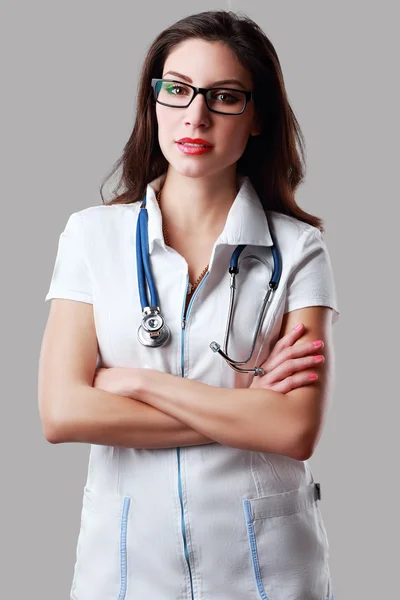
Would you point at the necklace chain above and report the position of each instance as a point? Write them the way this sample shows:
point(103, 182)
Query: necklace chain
point(192, 286)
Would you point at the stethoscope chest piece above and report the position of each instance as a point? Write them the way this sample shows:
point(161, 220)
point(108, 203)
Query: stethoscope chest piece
point(153, 331)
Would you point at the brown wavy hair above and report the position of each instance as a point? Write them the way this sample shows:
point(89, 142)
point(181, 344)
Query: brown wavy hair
point(271, 160)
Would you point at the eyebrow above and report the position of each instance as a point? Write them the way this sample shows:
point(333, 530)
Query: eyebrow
point(219, 82)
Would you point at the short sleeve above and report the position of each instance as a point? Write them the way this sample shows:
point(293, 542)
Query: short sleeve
point(70, 277)
point(311, 281)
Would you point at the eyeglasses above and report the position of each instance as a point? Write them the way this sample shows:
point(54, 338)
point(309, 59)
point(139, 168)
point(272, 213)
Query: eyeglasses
point(176, 94)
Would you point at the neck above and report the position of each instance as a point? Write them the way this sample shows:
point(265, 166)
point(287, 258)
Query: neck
point(198, 204)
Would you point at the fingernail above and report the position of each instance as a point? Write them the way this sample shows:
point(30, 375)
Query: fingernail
point(299, 326)
point(313, 376)
point(317, 343)
point(318, 358)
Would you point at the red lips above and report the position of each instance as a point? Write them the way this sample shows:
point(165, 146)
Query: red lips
point(194, 141)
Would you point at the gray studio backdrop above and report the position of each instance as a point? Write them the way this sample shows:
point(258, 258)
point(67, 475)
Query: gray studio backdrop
point(70, 71)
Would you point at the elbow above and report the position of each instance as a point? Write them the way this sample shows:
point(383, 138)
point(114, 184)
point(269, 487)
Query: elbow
point(53, 424)
point(53, 430)
point(52, 436)
point(302, 453)
point(306, 444)
point(302, 446)
point(59, 414)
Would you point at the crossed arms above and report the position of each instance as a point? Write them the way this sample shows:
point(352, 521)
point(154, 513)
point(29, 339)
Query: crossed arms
point(143, 408)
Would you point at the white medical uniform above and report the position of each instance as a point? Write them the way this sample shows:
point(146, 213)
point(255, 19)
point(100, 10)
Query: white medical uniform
point(207, 522)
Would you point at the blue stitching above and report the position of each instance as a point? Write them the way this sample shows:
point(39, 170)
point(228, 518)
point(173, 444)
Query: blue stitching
point(124, 519)
point(253, 548)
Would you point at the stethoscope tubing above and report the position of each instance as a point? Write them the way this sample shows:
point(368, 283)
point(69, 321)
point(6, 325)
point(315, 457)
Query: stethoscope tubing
point(273, 284)
point(143, 262)
point(145, 278)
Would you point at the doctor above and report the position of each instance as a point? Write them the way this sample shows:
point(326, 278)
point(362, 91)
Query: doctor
point(198, 484)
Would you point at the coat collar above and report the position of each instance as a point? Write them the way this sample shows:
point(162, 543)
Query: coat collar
point(246, 222)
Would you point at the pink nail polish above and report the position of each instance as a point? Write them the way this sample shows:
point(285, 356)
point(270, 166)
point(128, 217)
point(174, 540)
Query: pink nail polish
point(317, 343)
point(299, 326)
point(312, 376)
point(318, 358)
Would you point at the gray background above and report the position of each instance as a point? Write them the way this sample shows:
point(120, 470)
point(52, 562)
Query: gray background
point(69, 74)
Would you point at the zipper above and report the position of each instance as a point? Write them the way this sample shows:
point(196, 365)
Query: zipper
point(184, 316)
point(178, 450)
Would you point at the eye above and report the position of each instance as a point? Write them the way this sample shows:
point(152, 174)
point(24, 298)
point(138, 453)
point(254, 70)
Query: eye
point(224, 97)
point(173, 88)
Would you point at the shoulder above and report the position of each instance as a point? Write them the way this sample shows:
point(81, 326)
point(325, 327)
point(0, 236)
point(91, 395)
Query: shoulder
point(293, 235)
point(106, 218)
point(106, 212)
point(290, 226)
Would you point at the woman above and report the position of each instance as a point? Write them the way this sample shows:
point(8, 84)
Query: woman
point(198, 483)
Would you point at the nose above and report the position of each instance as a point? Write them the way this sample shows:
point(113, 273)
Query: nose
point(197, 112)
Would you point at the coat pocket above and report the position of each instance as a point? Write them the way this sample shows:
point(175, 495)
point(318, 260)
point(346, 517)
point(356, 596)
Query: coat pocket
point(101, 556)
point(288, 545)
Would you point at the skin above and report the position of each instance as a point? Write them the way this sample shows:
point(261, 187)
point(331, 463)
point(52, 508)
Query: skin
point(199, 190)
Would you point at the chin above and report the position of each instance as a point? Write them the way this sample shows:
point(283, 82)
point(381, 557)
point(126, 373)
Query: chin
point(196, 167)
point(193, 168)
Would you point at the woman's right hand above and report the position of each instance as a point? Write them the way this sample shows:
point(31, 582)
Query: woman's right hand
point(289, 366)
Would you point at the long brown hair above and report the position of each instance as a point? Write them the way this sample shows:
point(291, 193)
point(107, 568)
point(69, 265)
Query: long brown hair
point(271, 160)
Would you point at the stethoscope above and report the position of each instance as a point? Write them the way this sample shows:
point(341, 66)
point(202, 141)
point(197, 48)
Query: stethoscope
point(154, 332)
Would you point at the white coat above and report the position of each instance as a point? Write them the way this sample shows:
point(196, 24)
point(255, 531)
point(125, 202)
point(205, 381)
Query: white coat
point(208, 522)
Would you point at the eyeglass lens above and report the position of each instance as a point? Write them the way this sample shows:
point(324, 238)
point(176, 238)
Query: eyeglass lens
point(178, 94)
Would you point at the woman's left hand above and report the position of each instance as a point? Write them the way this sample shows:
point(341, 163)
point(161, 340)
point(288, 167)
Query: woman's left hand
point(290, 365)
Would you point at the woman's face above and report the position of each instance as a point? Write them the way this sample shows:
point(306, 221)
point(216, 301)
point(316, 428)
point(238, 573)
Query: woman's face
point(204, 63)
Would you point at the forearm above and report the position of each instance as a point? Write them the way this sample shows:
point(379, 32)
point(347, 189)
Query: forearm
point(252, 419)
point(98, 417)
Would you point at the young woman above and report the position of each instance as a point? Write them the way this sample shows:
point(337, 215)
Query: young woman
point(198, 484)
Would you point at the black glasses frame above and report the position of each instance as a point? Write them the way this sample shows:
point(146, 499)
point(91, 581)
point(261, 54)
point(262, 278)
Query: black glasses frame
point(203, 91)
